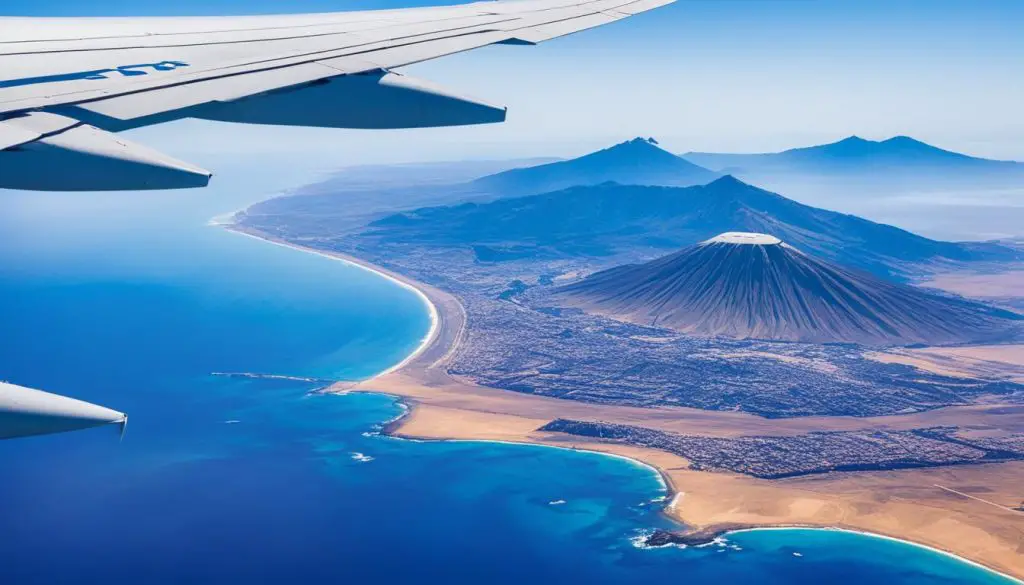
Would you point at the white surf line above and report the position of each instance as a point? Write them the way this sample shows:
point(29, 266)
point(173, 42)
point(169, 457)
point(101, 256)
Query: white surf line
point(671, 507)
point(983, 501)
point(434, 325)
point(259, 376)
point(635, 462)
point(224, 219)
point(946, 553)
point(434, 317)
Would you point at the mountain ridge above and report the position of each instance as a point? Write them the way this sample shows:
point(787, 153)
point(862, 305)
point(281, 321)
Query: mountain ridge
point(852, 153)
point(603, 219)
point(639, 161)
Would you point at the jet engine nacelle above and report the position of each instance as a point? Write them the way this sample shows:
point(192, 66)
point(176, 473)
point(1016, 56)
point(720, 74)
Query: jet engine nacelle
point(376, 100)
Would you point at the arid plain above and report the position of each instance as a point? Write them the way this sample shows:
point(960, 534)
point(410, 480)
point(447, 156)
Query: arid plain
point(969, 511)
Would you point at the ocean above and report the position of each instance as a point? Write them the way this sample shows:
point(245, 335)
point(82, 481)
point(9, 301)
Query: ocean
point(133, 301)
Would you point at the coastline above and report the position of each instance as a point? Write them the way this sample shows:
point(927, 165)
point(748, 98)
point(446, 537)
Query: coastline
point(718, 492)
point(394, 277)
point(416, 379)
point(392, 428)
point(938, 551)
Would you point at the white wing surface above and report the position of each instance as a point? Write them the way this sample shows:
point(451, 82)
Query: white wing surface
point(25, 412)
point(67, 84)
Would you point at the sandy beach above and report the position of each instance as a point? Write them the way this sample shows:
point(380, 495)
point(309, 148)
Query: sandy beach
point(992, 362)
point(913, 505)
point(964, 510)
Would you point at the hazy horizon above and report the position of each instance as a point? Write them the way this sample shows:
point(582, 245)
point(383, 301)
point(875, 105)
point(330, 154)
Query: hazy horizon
point(702, 75)
point(698, 75)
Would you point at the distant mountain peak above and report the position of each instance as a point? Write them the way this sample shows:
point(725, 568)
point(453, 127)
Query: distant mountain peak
point(729, 188)
point(898, 139)
point(895, 152)
point(637, 146)
point(638, 161)
point(895, 145)
point(728, 181)
point(898, 156)
point(854, 139)
point(907, 143)
point(902, 138)
point(641, 140)
point(851, 145)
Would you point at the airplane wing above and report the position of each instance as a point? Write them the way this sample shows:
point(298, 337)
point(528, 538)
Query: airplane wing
point(66, 85)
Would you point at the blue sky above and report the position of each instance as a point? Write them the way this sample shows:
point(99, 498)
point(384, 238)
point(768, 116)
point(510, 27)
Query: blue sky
point(733, 75)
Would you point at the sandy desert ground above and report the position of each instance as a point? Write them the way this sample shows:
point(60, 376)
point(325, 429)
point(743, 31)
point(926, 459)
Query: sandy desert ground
point(966, 510)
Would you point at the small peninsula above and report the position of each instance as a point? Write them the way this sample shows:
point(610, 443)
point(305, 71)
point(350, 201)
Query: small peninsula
point(892, 437)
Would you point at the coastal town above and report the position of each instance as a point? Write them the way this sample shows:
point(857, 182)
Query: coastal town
point(519, 339)
point(756, 432)
point(776, 457)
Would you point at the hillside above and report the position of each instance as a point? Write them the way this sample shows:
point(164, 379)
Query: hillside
point(610, 218)
point(900, 154)
point(754, 286)
point(636, 162)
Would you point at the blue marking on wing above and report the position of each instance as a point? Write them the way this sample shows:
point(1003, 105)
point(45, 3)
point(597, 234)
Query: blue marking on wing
point(124, 70)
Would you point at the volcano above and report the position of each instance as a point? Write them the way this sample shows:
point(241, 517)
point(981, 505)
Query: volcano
point(754, 286)
point(635, 162)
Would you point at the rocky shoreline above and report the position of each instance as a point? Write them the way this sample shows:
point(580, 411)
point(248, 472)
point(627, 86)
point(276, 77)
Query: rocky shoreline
point(699, 537)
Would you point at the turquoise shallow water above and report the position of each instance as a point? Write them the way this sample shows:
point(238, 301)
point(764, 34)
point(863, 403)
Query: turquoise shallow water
point(132, 301)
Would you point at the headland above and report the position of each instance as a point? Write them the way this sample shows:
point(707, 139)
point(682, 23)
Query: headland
point(965, 510)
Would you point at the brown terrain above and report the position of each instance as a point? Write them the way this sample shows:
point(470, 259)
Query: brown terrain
point(985, 362)
point(1002, 284)
point(968, 510)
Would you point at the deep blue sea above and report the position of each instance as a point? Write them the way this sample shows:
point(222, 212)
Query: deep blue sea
point(133, 301)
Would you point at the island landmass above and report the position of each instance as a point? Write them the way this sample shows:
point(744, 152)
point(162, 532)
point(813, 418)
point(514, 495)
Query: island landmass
point(826, 371)
point(968, 511)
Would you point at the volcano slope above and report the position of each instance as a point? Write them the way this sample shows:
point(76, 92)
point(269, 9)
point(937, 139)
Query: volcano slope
point(754, 286)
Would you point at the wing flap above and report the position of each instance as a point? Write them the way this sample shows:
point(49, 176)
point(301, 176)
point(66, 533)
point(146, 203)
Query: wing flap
point(134, 106)
point(545, 32)
point(24, 129)
point(245, 83)
point(399, 56)
point(370, 101)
